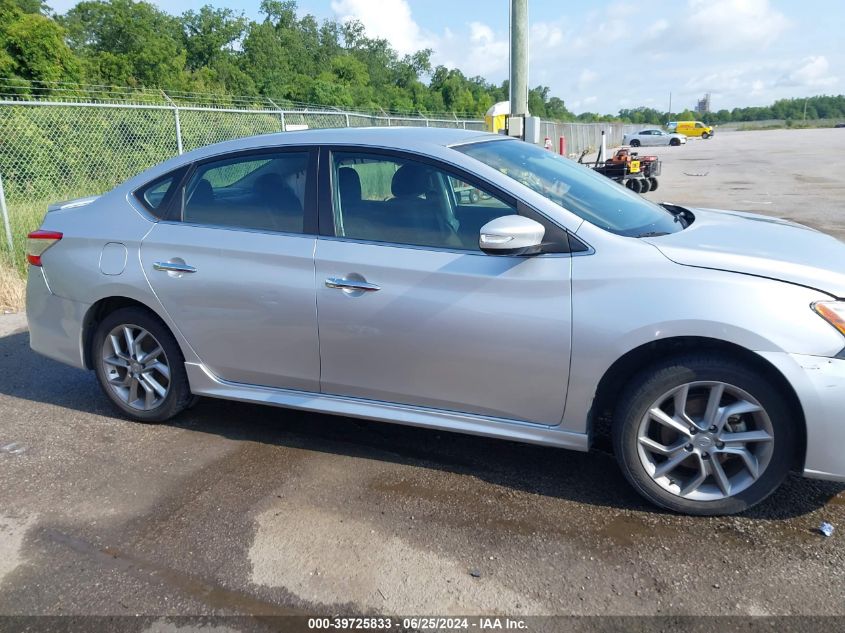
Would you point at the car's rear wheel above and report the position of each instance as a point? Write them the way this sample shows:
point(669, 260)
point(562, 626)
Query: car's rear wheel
point(635, 143)
point(139, 365)
point(654, 183)
point(703, 435)
point(674, 142)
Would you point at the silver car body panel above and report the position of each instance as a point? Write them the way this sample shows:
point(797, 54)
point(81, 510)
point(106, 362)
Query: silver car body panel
point(458, 331)
point(517, 317)
point(759, 245)
point(206, 384)
point(263, 279)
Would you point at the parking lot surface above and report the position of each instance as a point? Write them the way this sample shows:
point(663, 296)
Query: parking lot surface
point(235, 508)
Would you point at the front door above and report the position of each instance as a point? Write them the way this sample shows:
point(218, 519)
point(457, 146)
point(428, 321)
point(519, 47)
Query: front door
point(235, 268)
point(410, 311)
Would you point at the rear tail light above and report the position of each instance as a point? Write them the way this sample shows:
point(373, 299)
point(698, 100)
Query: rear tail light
point(38, 242)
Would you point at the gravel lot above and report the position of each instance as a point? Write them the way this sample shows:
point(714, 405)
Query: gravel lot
point(242, 509)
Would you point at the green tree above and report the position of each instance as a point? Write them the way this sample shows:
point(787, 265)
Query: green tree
point(127, 42)
point(32, 46)
point(211, 35)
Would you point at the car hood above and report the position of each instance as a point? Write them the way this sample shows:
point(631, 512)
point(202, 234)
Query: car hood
point(758, 245)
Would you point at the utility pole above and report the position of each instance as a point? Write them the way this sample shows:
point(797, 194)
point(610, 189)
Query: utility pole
point(670, 104)
point(519, 58)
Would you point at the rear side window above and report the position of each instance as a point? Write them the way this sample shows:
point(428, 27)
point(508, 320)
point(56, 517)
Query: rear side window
point(155, 195)
point(264, 191)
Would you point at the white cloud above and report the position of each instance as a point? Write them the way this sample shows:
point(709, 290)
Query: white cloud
point(480, 51)
point(387, 19)
point(480, 33)
point(656, 29)
point(587, 76)
point(732, 24)
point(813, 72)
point(545, 34)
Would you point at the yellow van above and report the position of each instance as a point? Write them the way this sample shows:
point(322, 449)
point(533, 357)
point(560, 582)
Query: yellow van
point(694, 128)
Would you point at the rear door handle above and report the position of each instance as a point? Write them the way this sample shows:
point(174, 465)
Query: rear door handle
point(174, 267)
point(351, 284)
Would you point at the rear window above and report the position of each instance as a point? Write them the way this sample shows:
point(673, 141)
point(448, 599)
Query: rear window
point(156, 194)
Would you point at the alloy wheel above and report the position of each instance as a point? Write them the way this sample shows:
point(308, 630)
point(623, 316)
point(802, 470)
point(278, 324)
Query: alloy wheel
point(705, 441)
point(136, 367)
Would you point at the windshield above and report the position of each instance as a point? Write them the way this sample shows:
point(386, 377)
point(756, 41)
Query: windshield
point(575, 187)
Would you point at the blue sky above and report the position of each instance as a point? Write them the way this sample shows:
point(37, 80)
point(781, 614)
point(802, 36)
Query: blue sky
point(603, 56)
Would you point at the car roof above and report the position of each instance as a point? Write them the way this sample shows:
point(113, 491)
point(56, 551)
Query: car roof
point(393, 137)
point(399, 137)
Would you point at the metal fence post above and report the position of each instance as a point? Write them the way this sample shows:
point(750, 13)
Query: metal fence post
point(281, 112)
point(347, 119)
point(178, 123)
point(178, 130)
point(5, 211)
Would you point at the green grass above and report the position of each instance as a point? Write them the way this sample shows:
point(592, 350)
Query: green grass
point(24, 217)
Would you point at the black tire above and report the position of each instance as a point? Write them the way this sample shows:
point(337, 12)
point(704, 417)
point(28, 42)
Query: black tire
point(178, 396)
point(631, 183)
point(705, 135)
point(651, 384)
point(473, 197)
point(654, 183)
point(635, 143)
point(674, 142)
point(645, 185)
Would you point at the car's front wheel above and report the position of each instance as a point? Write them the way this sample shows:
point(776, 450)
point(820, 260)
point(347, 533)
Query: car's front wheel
point(703, 435)
point(139, 365)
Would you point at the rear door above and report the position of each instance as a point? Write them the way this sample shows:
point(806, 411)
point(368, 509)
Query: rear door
point(234, 266)
point(412, 312)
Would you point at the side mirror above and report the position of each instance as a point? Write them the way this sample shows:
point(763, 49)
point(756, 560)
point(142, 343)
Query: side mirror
point(511, 235)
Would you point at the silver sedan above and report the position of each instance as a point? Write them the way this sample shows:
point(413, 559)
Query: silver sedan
point(653, 137)
point(342, 271)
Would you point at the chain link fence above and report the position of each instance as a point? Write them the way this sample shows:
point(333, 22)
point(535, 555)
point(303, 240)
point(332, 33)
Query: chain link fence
point(60, 149)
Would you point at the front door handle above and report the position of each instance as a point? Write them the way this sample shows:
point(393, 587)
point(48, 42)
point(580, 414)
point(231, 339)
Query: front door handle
point(174, 267)
point(354, 285)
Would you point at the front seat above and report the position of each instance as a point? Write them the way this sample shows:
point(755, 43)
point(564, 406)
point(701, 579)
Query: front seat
point(414, 217)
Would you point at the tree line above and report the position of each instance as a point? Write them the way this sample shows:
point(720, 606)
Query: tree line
point(217, 51)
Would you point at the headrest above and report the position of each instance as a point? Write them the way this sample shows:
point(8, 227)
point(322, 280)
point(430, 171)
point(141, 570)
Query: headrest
point(410, 180)
point(349, 184)
point(270, 184)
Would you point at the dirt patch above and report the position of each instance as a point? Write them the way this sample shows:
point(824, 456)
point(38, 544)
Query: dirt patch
point(12, 290)
point(321, 557)
point(12, 532)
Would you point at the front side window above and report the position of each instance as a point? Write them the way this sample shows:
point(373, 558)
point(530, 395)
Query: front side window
point(383, 198)
point(574, 187)
point(263, 192)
